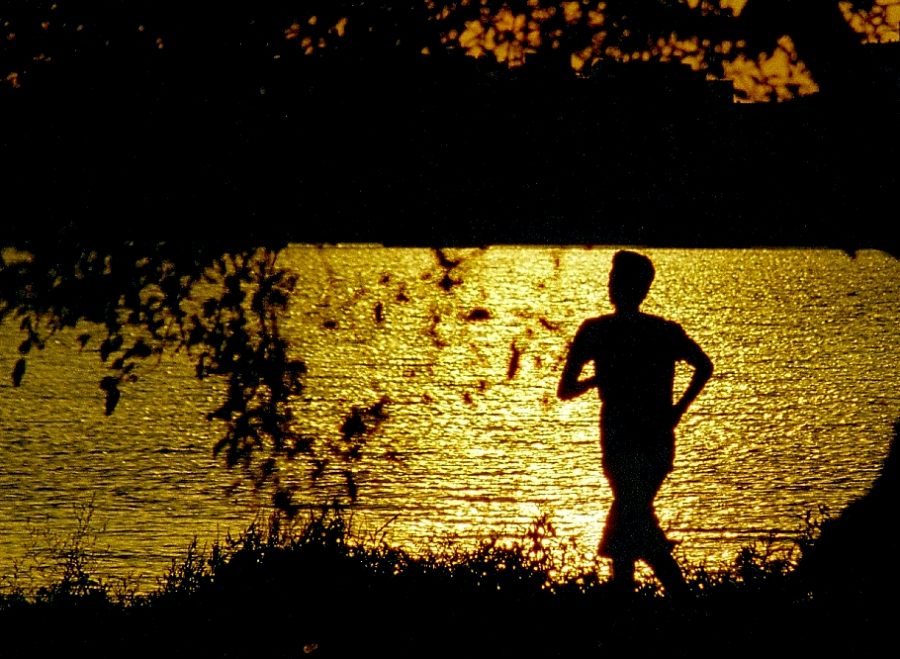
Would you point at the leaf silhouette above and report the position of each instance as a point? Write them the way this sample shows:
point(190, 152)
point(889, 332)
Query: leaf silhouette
point(447, 282)
point(478, 313)
point(352, 487)
point(444, 261)
point(548, 325)
point(353, 425)
point(110, 345)
point(514, 361)
point(18, 372)
point(139, 349)
point(112, 399)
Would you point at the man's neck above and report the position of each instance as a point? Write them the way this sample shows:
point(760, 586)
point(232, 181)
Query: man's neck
point(627, 312)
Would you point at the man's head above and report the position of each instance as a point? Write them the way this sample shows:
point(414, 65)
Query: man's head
point(629, 280)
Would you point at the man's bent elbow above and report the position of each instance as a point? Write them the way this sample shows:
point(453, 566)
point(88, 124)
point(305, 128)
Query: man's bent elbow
point(705, 369)
point(566, 391)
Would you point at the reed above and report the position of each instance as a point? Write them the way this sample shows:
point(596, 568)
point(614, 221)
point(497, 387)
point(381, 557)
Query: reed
point(318, 585)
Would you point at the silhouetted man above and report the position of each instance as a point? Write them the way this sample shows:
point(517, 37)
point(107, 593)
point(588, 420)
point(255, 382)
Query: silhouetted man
point(634, 357)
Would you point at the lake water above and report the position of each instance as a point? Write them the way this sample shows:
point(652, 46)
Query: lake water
point(797, 415)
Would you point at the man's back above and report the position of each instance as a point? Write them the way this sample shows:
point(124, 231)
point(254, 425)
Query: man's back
point(634, 358)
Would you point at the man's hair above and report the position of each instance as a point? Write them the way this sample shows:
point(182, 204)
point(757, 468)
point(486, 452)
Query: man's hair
point(633, 273)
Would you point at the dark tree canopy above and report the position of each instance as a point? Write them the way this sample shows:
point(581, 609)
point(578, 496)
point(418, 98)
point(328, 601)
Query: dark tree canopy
point(327, 121)
point(157, 156)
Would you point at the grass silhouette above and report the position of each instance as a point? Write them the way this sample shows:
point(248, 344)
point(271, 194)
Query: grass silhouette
point(316, 586)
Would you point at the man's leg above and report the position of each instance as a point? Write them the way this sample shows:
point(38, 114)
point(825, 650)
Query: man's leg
point(623, 575)
point(669, 573)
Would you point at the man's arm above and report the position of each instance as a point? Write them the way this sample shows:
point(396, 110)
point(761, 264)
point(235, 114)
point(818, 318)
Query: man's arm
point(703, 370)
point(570, 383)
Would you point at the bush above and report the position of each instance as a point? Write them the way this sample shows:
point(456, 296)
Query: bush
point(317, 585)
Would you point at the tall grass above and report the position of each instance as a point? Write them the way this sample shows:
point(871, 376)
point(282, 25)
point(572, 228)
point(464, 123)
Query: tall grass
point(317, 585)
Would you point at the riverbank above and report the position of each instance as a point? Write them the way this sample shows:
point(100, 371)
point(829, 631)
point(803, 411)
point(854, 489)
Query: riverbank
point(792, 420)
point(313, 588)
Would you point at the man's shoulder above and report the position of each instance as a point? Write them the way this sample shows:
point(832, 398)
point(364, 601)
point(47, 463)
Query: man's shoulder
point(643, 323)
point(661, 322)
point(597, 322)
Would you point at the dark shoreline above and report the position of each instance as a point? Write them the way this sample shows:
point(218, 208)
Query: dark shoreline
point(336, 603)
point(312, 588)
point(309, 586)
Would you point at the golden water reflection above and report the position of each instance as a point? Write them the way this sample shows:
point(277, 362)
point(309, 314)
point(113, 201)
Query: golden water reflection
point(798, 413)
point(467, 346)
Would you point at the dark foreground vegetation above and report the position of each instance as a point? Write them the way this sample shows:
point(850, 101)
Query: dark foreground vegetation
point(318, 588)
point(315, 585)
